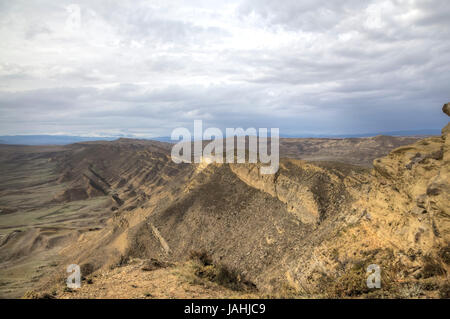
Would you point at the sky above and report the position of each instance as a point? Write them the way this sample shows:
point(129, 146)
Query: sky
point(143, 68)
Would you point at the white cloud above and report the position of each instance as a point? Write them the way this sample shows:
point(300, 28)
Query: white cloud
point(304, 66)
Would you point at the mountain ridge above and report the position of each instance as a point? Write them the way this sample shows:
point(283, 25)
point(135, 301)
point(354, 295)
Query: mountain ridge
point(117, 207)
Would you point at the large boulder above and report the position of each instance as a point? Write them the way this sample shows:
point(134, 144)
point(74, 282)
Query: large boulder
point(446, 108)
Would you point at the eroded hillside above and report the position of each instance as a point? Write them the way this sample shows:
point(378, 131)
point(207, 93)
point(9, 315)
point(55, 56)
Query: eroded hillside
point(309, 230)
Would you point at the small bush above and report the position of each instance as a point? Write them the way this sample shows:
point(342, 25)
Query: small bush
point(86, 269)
point(410, 290)
point(444, 292)
point(351, 284)
point(67, 289)
point(153, 264)
point(285, 291)
point(444, 253)
point(432, 268)
point(430, 286)
point(202, 256)
point(220, 274)
point(122, 261)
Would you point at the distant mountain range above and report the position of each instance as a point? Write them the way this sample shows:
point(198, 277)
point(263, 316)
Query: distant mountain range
point(49, 139)
point(68, 139)
point(423, 132)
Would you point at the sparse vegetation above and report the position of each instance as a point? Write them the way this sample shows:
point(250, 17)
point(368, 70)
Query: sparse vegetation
point(410, 290)
point(122, 261)
point(306, 232)
point(86, 269)
point(351, 284)
point(444, 291)
point(285, 291)
point(444, 253)
point(204, 267)
point(432, 267)
point(152, 264)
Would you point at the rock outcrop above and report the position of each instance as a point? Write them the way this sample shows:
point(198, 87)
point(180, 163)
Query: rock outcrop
point(446, 108)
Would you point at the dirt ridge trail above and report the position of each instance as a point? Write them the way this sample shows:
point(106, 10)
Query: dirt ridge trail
point(131, 281)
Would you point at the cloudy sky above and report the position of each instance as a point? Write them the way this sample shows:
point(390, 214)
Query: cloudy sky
point(142, 68)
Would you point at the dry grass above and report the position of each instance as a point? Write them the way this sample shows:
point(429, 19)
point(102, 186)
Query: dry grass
point(432, 267)
point(204, 267)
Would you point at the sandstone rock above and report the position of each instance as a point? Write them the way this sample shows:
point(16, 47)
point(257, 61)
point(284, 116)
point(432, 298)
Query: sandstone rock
point(446, 130)
point(434, 189)
point(153, 264)
point(418, 211)
point(446, 108)
point(421, 200)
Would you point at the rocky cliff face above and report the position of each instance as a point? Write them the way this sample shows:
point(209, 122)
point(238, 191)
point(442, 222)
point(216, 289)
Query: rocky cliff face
point(401, 222)
point(310, 192)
